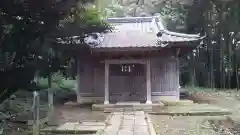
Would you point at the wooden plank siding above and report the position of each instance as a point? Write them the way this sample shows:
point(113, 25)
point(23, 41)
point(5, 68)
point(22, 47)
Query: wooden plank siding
point(164, 81)
point(165, 77)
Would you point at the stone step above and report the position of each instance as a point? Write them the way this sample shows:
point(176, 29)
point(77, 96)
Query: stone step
point(76, 128)
point(127, 106)
point(107, 110)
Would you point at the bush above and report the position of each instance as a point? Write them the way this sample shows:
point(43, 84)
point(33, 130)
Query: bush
point(68, 84)
point(58, 82)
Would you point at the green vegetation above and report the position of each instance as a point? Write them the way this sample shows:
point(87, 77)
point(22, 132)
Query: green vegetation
point(28, 34)
point(31, 57)
point(58, 82)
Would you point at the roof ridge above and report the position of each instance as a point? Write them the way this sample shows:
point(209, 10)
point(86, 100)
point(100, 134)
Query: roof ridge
point(129, 19)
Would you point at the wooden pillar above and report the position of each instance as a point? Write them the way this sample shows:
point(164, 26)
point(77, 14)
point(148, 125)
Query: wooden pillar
point(78, 81)
point(178, 75)
point(106, 93)
point(148, 75)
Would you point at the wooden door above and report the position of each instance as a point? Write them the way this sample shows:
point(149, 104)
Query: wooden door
point(127, 82)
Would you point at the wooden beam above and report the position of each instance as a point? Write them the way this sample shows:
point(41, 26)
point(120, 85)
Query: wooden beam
point(125, 61)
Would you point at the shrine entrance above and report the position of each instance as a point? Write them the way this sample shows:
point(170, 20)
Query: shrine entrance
point(127, 82)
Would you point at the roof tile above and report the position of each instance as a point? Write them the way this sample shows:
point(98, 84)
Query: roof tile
point(138, 32)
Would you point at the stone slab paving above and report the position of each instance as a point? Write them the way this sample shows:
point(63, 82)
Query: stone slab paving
point(81, 126)
point(127, 123)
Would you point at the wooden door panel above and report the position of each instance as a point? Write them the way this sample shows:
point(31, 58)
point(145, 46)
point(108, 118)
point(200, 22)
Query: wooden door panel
point(127, 82)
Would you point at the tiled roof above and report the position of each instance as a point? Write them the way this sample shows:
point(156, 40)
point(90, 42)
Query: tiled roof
point(130, 33)
point(138, 32)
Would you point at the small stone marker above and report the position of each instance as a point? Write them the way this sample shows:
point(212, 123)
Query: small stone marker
point(36, 122)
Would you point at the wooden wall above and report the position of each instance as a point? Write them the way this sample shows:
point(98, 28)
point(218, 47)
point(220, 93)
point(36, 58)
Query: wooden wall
point(164, 78)
point(164, 81)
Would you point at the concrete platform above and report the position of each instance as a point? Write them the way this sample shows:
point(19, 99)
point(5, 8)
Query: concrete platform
point(125, 105)
point(192, 110)
point(76, 128)
point(176, 103)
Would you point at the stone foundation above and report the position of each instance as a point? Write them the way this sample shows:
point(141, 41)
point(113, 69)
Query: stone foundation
point(98, 100)
point(93, 100)
point(123, 106)
point(164, 98)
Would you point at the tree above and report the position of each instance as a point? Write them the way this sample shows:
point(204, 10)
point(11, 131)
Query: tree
point(23, 34)
point(219, 21)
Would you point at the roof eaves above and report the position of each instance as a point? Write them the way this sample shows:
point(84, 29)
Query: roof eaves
point(135, 46)
point(162, 29)
point(181, 34)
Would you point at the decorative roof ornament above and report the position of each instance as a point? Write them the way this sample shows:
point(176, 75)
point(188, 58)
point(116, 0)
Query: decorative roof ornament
point(160, 33)
point(93, 39)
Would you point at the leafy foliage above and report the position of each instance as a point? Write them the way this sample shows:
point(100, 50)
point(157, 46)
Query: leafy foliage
point(174, 15)
point(114, 10)
point(173, 12)
point(58, 82)
point(27, 36)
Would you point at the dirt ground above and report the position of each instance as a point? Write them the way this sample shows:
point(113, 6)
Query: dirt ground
point(67, 113)
point(204, 125)
point(164, 125)
point(174, 125)
point(12, 110)
point(182, 125)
